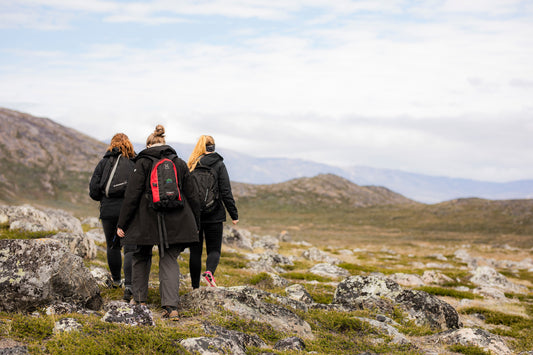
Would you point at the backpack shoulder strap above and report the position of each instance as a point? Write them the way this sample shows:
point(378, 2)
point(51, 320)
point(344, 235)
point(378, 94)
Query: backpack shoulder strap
point(111, 177)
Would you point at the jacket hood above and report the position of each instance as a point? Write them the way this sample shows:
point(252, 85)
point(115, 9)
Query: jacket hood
point(157, 151)
point(211, 159)
point(112, 153)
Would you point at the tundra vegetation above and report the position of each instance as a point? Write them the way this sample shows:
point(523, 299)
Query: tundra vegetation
point(391, 240)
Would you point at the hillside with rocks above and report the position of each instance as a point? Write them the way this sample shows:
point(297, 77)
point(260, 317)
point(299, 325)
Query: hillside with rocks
point(277, 295)
point(44, 162)
point(326, 189)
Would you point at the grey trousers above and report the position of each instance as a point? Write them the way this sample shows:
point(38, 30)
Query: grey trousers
point(169, 272)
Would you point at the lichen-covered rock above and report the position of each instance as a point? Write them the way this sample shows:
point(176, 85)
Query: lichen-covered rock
point(121, 312)
point(247, 303)
point(472, 336)
point(432, 277)
point(66, 325)
point(36, 273)
point(268, 262)
point(237, 239)
point(96, 234)
point(315, 254)
point(78, 244)
point(377, 292)
point(102, 276)
point(328, 270)
point(267, 243)
point(299, 293)
point(212, 346)
point(31, 219)
point(387, 329)
point(242, 339)
point(288, 344)
point(487, 276)
point(11, 347)
point(410, 280)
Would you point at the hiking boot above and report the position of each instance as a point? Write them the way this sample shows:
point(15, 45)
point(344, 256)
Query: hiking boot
point(117, 284)
point(170, 313)
point(128, 294)
point(208, 276)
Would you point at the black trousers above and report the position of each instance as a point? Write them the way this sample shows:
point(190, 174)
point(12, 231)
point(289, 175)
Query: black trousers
point(114, 255)
point(212, 233)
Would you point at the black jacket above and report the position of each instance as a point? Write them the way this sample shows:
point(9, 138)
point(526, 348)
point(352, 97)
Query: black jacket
point(215, 161)
point(109, 206)
point(140, 221)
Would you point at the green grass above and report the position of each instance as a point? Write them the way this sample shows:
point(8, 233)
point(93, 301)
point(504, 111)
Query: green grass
point(442, 291)
point(6, 233)
point(468, 350)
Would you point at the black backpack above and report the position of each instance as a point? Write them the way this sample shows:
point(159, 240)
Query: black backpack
point(205, 179)
point(118, 170)
point(164, 193)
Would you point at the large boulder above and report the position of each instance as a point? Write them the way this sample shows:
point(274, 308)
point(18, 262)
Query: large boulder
point(237, 238)
point(377, 292)
point(247, 303)
point(31, 219)
point(495, 344)
point(40, 272)
point(315, 254)
point(78, 243)
point(485, 276)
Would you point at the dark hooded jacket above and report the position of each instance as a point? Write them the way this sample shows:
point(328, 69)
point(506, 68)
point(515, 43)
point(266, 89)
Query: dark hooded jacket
point(216, 162)
point(109, 206)
point(140, 221)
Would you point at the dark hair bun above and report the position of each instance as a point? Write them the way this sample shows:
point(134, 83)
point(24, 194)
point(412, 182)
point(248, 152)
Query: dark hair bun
point(159, 131)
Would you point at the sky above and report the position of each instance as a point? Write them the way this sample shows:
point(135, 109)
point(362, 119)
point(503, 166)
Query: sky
point(436, 87)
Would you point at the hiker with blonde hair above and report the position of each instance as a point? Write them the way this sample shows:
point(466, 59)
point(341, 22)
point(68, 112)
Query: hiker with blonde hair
point(212, 217)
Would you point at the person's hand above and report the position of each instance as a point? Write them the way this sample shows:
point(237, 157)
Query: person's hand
point(120, 233)
point(235, 221)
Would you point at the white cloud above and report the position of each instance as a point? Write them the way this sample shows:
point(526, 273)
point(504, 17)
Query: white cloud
point(439, 87)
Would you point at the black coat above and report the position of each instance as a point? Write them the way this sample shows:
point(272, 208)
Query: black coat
point(140, 221)
point(109, 206)
point(216, 162)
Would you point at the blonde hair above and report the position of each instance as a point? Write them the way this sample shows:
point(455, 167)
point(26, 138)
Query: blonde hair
point(122, 143)
point(199, 150)
point(157, 137)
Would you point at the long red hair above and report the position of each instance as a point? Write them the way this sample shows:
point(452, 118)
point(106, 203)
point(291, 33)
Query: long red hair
point(122, 142)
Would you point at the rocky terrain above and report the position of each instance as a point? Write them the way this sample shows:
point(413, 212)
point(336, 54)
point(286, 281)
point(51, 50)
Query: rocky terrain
point(278, 296)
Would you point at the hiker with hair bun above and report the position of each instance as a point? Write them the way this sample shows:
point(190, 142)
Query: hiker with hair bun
point(117, 162)
point(212, 217)
point(159, 210)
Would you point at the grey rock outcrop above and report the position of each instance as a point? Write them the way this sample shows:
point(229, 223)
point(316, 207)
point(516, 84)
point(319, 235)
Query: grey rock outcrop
point(212, 346)
point(236, 238)
point(473, 336)
point(121, 312)
point(247, 303)
point(78, 244)
point(31, 219)
point(102, 276)
point(299, 293)
point(66, 325)
point(242, 339)
point(328, 270)
point(487, 276)
point(268, 262)
point(291, 343)
point(367, 292)
point(315, 254)
point(36, 273)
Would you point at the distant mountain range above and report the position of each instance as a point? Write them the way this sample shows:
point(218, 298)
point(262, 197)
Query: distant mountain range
point(422, 188)
point(44, 162)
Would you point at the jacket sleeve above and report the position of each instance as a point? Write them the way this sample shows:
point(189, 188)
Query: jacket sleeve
point(189, 190)
point(95, 191)
point(132, 196)
point(224, 188)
